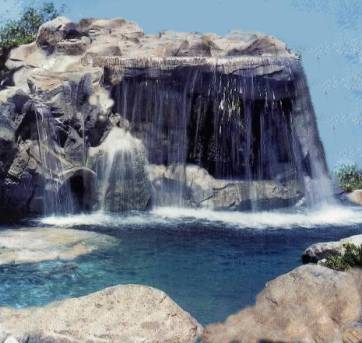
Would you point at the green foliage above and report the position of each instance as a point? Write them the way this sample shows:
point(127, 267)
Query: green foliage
point(24, 29)
point(349, 177)
point(352, 257)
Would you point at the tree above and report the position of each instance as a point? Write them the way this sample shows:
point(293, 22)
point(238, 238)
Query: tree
point(24, 29)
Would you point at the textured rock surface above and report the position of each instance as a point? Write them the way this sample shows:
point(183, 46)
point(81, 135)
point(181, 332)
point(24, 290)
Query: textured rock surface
point(319, 251)
point(311, 304)
point(355, 197)
point(127, 314)
point(200, 189)
point(41, 244)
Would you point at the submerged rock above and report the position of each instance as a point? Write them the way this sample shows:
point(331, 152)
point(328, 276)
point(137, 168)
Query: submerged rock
point(320, 251)
point(125, 313)
point(311, 304)
point(42, 244)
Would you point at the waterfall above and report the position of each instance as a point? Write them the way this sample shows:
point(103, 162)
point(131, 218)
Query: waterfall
point(246, 140)
point(120, 165)
point(57, 198)
point(311, 159)
point(249, 127)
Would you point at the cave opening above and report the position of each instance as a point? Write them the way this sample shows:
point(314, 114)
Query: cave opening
point(77, 192)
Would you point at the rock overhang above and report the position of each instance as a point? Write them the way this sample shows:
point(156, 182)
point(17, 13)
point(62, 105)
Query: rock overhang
point(62, 46)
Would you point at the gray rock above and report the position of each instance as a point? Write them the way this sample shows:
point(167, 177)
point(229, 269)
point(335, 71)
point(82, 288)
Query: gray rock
point(200, 189)
point(8, 147)
point(125, 313)
point(53, 32)
point(320, 251)
point(311, 304)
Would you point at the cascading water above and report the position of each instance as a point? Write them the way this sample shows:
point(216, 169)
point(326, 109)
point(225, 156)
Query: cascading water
point(120, 165)
point(234, 137)
point(57, 196)
point(317, 184)
point(253, 129)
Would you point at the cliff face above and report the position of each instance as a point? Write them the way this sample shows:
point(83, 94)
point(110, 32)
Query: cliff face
point(224, 122)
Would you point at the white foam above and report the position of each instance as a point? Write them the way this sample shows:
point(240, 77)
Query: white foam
point(168, 216)
point(102, 219)
point(325, 216)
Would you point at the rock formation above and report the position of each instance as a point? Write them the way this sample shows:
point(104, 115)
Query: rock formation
point(320, 251)
point(311, 304)
point(234, 108)
point(125, 313)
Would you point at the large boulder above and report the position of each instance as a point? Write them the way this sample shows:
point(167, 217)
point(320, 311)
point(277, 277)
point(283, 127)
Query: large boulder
point(311, 304)
point(62, 36)
point(125, 313)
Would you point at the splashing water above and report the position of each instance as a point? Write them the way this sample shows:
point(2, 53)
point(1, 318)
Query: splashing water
point(120, 166)
point(327, 215)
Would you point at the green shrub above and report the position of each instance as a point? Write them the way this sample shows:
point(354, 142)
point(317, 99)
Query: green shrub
point(352, 257)
point(349, 177)
point(24, 29)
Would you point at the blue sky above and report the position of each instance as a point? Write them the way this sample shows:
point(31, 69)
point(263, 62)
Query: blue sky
point(327, 33)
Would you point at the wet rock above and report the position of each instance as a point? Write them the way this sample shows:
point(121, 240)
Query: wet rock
point(8, 147)
point(197, 188)
point(120, 164)
point(125, 313)
point(311, 304)
point(42, 244)
point(320, 251)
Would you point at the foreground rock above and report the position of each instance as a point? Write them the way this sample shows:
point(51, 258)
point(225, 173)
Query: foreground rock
point(311, 304)
point(41, 244)
point(320, 251)
point(127, 314)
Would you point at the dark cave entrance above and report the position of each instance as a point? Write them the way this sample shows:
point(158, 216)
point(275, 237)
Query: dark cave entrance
point(234, 126)
point(78, 191)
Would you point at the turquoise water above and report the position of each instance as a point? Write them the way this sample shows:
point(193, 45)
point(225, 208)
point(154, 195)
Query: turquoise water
point(212, 265)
